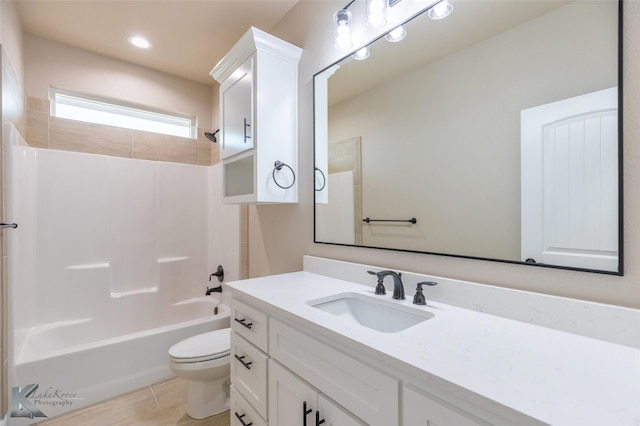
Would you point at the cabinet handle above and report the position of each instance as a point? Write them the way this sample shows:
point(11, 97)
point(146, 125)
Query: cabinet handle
point(304, 413)
point(318, 421)
point(245, 131)
point(247, 365)
point(242, 321)
point(242, 421)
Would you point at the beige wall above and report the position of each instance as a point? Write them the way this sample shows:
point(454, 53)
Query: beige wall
point(456, 166)
point(11, 35)
point(48, 63)
point(281, 235)
point(44, 131)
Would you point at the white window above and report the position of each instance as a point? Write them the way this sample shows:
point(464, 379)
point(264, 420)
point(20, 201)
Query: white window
point(93, 109)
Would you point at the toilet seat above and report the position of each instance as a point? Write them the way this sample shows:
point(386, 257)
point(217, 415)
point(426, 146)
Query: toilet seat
point(202, 347)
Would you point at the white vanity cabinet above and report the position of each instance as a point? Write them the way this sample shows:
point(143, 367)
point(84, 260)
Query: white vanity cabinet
point(420, 408)
point(367, 392)
point(294, 402)
point(277, 370)
point(259, 119)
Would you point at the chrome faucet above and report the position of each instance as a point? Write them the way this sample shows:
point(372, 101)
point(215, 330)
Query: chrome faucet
point(398, 288)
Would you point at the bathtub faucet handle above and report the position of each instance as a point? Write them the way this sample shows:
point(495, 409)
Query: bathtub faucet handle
point(218, 273)
point(213, 290)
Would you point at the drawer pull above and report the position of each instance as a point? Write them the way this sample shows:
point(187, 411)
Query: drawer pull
point(304, 413)
point(243, 322)
point(247, 365)
point(318, 421)
point(246, 136)
point(242, 421)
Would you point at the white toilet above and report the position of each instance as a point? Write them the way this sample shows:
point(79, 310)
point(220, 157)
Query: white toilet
point(204, 361)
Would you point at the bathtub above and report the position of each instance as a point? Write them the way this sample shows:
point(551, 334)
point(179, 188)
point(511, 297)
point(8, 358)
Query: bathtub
point(80, 362)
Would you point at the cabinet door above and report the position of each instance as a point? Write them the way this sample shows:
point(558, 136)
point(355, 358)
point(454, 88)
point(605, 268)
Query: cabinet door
point(237, 112)
point(291, 401)
point(423, 410)
point(334, 415)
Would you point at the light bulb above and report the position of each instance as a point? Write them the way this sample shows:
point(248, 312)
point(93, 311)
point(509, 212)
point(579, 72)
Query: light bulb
point(361, 54)
point(343, 32)
point(441, 10)
point(376, 13)
point(396, 34)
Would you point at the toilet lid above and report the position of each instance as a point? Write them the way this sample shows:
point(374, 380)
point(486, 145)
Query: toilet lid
point(202, 347)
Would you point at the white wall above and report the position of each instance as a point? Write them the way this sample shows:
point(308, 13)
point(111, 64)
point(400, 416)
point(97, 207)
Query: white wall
point(48, 63)
point(280, 235)
point(94, 229)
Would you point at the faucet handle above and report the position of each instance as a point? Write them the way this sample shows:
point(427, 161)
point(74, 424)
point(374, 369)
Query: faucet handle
point(380, 290)
point(419, 298)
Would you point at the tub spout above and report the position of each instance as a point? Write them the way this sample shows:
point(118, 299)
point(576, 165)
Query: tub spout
point(213, 290)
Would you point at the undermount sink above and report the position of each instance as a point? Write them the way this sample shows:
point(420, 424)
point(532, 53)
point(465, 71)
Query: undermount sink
point(379, 315)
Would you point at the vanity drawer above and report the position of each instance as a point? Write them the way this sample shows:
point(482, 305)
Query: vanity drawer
point(241, 411)
point(250, 323)
point(365, 391)
point(249, 373)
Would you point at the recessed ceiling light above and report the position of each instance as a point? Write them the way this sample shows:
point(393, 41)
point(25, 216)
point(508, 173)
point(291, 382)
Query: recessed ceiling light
point(140, 42)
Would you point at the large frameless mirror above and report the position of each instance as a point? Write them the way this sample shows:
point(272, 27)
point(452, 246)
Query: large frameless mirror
point(492, 134)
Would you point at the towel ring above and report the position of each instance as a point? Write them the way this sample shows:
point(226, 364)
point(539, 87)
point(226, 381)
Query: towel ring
point(277, 166)
point(324, 179)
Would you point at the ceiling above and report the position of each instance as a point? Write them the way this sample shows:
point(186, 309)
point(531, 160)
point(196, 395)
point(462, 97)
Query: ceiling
point(189, 37)
point(428, 40)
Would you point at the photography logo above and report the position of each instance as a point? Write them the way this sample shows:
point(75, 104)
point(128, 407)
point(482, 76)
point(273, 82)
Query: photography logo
point(25, 400)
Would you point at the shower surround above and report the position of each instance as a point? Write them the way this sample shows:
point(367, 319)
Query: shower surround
point(110, 266)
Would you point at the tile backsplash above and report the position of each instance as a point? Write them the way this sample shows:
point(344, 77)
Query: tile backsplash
point(44, 131)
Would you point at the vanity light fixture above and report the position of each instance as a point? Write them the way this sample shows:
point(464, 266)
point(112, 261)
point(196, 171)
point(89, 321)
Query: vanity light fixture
point(140, 42)
point(440, 10)
point(361, 54)
point(343, 32)
point(396, 34)
point(376, 10)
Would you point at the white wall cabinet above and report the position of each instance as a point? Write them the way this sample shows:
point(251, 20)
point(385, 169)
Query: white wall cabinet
point(259, 119)
point(237, 116)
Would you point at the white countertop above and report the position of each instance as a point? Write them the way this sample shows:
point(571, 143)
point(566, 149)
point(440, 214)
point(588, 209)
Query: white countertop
point(552, 376)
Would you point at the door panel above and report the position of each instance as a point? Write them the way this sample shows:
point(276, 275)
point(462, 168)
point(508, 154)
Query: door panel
point(570, 181)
